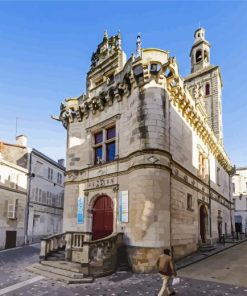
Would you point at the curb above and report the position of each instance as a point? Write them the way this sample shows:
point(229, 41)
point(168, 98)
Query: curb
point(210, 255)
point(19, 247)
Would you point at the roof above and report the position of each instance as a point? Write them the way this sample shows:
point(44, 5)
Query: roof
point(241, 168)
point(13, 145)
point(45, 157)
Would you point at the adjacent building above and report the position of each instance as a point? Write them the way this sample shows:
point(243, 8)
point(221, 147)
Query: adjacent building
point(145, 152)
point(239, 188)
point(13, 194)
point(46, 195)
point(31, 194)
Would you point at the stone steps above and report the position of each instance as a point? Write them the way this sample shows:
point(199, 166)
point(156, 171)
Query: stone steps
point(64, 265)
point(207, 248)
point(68, 273)
point(66, 276)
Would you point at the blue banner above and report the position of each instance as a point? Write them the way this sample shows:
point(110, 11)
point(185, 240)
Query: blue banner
point(80, 210)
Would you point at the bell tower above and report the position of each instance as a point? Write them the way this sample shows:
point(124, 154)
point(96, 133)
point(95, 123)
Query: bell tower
point(200, 51)
point(207, 78)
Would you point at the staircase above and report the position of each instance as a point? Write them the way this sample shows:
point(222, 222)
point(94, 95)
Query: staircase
point(73, 258)
point(207, 247)
point(67, 272)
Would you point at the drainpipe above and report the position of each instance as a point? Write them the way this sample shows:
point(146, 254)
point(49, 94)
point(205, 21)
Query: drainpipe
point(30, 175)
point(209, 190)
point(230, 198)
point(170, 204)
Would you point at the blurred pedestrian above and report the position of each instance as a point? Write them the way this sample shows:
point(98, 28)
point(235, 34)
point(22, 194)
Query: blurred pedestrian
point(166, 270)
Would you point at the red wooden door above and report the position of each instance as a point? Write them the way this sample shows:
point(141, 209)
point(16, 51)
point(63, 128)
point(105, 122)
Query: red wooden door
point(102, 217)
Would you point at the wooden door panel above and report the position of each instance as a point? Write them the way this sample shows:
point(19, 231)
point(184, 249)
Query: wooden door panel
point(102, 217)
point(10, 239)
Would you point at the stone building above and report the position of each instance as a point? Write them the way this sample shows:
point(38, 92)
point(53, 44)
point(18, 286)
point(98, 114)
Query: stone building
point(239, 188)
point(31, 194)
point(13, 194)
point(145, 152)
point(46, 194)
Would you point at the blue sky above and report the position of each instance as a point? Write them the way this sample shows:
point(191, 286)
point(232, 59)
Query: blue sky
point(45, 51)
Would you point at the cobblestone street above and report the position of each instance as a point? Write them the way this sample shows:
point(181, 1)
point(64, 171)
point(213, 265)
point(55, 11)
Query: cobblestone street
point(12, 272)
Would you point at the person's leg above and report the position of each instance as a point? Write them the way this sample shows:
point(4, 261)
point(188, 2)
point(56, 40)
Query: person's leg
point(163, 290)
point(169, 288)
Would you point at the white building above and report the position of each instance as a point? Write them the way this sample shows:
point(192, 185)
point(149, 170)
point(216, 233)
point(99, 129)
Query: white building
point(239, 185)
point(31, 194)
point(13, 194)
point(46, 191)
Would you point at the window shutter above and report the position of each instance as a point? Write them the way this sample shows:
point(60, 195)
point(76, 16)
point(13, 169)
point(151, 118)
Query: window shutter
point(12, 211)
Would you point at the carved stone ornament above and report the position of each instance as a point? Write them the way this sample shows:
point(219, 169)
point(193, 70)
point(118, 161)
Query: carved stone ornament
point(153, 159)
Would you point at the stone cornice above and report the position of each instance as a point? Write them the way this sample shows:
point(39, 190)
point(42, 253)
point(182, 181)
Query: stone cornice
point(139, 75)
point(24, 192)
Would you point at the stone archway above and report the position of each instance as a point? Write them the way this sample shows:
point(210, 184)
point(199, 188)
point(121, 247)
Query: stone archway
point(102, 219)
point(203, 223)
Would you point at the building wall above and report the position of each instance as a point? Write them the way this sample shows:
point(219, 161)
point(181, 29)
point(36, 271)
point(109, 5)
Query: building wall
point(13, 186)
point(213, 101)
point(239, 181)
point(149, 189)
point(46, 195)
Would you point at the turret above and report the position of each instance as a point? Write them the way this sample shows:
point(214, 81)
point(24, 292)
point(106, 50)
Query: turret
point(200, 51)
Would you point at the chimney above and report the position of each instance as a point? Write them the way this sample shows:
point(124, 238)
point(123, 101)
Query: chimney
point(21, 140)
point(61, 162)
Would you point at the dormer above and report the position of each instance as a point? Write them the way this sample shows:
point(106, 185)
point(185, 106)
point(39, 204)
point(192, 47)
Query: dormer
point(106, 61)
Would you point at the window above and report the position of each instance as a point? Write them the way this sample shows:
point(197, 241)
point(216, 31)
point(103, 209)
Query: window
point(218, 176)
point(36, 194)
point(202, 165)
point(12, 209)
point(207, 89)
point(198, 56)
point(104, 145)
point(234, 203)
point(50, 173)
point(40, 195)
point(59, 178)
point(189, 201)
point(233, 187)
point(206, 59)
point(49, 201)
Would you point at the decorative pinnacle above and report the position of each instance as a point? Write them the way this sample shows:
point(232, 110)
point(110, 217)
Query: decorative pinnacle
point(105, 35)
point(119, 41)
point(138, 45)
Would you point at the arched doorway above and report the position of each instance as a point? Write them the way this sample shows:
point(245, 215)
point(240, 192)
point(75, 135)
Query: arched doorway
point(102, 217)
point(203, 223)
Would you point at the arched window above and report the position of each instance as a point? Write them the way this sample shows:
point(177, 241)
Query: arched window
point(198, 55)
point(206, 59)
point(207, 89)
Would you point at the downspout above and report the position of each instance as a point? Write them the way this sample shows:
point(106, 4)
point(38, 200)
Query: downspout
point(230, 199)
point(209, 191)
point(170, 204)
point(28, 197)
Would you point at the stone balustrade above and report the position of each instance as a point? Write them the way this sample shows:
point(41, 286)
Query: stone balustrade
point(97, 257)
point(103, 254)
point(51, 244)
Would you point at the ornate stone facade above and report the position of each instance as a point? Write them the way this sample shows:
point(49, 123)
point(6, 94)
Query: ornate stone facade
point(166, 155)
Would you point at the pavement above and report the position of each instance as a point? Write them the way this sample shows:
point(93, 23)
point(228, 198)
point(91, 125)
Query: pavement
point(15, 281)
point(201, 255)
